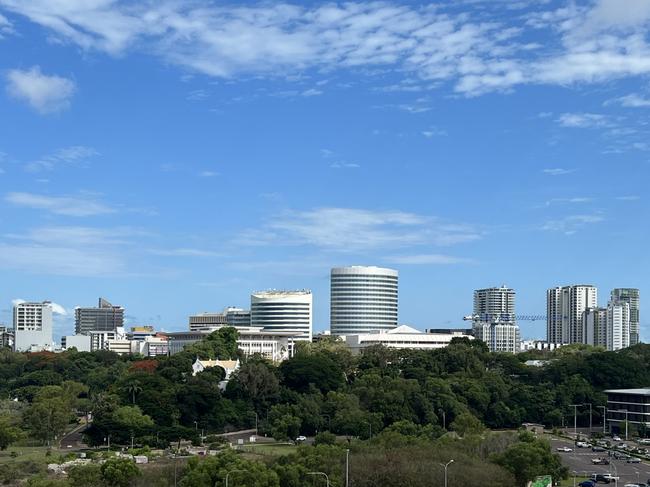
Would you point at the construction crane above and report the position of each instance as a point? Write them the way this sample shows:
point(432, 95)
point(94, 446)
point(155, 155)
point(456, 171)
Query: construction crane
point(503, 317)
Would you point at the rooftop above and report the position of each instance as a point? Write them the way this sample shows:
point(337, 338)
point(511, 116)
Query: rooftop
point(641, 392)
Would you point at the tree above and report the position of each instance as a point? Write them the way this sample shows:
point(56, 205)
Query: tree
point(8, 433)
point(134, 388)
point(47, 418)
point(86, 475)
point(131, 419)
point(118, 472)
point(301, 371)
point(467, 424)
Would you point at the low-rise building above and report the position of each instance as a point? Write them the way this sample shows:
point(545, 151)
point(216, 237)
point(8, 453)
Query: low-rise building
point(628, 406)
point(405, 337)
point(80, 342)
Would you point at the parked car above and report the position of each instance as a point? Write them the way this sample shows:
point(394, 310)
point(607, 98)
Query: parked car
point(587, 483)
point(301, 438)
point(564, 449)
point(633, 460)
point(597, 448)
point(600, 461)
point(599, 477)
point(582, 444)
point(616, 438)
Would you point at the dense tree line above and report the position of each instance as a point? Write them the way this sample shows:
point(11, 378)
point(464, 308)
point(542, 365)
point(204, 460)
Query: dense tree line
point(323, 388)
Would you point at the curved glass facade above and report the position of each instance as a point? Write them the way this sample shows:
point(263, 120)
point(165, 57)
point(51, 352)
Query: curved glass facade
point(362, 299)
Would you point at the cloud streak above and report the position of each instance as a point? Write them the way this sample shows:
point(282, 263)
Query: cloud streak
point(44, 93)
point(59, 205)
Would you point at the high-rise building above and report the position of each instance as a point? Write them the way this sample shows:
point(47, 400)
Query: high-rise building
point(630, 296)
point(594, 322)
point(231, 316)
point(565, 307)
point(494, 319)
point(105, 317)
point(283, 311)
point(33, 326)
point(618, 326)
point(495, 304)
point(363, 300)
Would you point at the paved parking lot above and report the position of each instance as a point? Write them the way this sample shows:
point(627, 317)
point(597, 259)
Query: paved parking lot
point(579, 461)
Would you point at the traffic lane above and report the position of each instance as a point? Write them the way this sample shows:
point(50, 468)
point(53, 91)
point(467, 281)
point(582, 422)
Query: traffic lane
point(579, 461)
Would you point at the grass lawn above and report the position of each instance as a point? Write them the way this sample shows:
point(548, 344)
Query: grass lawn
point(33, 453)
point(569, 481)
point(270, 449)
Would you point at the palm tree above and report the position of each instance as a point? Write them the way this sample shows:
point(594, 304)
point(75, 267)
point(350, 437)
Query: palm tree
point(134, 388)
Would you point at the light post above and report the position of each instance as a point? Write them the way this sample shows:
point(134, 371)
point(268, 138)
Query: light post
point(445, 466)
point(604, 408)
point(228, 475)
point(327, 479)
point(589, 404)
point(196, 425)
point(257, 419)
point(624, 411)
point(444, 419)
point(575, 419)
point(347, 467)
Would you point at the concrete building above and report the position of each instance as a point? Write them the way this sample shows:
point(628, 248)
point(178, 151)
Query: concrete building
point(493, 319)
point(494, 304)
point(363, 300)
point(273, 346)
point(33, 327)
point(105, 317)
point(404, 337)
point(594, 322)
point(565, 307)
point(80, 342)
point(541, 345)
point(6, 337)
point(231, 316)
point(283, 311)
point(630, 296)
point(618, 326)
point(631, 406)
point(99, 339)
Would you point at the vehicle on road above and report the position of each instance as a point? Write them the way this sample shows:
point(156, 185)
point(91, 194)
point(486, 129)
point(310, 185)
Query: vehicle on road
point(564, 449)
point(644, 441)
point(600, 461)
point(587, 483)
point(301, 438)
point(596, 448)
point(599, 477)
point(633, 460)
point(616, 438)
point(582, 444)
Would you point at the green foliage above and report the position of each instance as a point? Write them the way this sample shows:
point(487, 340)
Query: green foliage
point(212, 471)
point(325, 438)
point(86, 475)
point(467, 424)
point(9, 433)
point(119, 472)
point(302, 372)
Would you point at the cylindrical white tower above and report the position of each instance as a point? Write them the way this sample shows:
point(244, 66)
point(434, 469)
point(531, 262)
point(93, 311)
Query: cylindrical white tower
point(286, 311)
point(362, 299)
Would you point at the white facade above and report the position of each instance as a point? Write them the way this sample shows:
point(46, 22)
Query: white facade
point(630, 296)
point(565, 307)
point(363, 300)
point(33, 326)
point(99, 339)
point(273, 346)
point(283, 311)
point(231, 316)
point(404, 337)
point(80, 342)
point(495, 304)
point(538, 345)
point(618, 326)
point(499, 337)
point(594, 322)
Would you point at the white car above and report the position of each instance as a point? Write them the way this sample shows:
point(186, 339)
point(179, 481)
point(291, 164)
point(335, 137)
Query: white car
point(565, 449)
point(609, 476)
point(301, 438)
point(582, 444)
point(616, 438)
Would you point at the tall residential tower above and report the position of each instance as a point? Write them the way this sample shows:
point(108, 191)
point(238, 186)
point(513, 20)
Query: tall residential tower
point(494, 319)
point(565, 307)
point(33, 326)
point(105, 317)
point(630, 296)
point(283, 311)
point(362, 300)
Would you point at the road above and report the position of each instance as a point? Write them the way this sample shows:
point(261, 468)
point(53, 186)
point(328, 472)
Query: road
point(74, 439)
point(579, 461)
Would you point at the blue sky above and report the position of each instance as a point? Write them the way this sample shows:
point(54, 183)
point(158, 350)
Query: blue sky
point(173, 157)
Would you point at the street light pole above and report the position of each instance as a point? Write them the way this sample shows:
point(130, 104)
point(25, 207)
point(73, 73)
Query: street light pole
point(589, 404)
point(604, 408)
point(327, 479)
point(228, 475)
point(444, 419)
point(347, 467)
point(575, 419)
point(445, 466)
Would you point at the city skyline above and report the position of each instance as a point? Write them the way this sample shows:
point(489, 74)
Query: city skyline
point(467, 145)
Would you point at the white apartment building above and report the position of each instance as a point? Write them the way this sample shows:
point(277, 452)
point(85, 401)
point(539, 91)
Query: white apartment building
point(405, 337)
point(565, 307)
point(363, 300)
point(499, 337)
point(630, 296)
point(618, 326)
point(594, 322)
point(231, 316)
point(80, 342)
point(33, 327)
point(283, 311)
point(494, 319)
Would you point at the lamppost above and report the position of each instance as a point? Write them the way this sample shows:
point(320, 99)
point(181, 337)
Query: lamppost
point(604, 408)
point(575, 418)
point(347, 467)
point(228, 475)
point(589, 404)
point(444, 419)
point(256, 421)
point(327, 479)
point(624, 411)
point(445, 466)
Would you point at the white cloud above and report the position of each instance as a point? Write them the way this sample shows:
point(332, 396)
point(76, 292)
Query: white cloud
point(426, 259)
point(628, 198)
point(583, 120)
point(59, 205)
point(434, 132)
point(470, 47)
point(311, 92)
point(344, 165)
point(75, 155)
point(208, 174)
point(572, 223)
point(5, 26)
point(557, 171)
point(579, 199)
point(186, 252)
point(632, 100)
point(348, 229)
point(45, 93)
